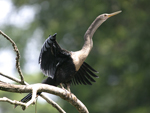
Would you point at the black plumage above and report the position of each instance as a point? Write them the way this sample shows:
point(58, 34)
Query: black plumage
point(57, 64)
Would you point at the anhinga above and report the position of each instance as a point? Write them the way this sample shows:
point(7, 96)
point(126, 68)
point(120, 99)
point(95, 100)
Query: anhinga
point(65, 67)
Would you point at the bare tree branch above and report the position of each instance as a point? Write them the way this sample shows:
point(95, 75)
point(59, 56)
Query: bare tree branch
point(44, 88)
point(13, 79)
point(5, 99)
point(21, 75)
point(17, 55)
point(54, 104)
point(25, 88)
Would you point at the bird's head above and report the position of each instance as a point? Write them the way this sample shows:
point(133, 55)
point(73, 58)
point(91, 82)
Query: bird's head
point(105, 16)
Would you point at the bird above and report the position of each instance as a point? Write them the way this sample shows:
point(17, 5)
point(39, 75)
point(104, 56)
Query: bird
point(64, 67)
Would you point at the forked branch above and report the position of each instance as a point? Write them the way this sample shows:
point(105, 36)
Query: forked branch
point(64, 94)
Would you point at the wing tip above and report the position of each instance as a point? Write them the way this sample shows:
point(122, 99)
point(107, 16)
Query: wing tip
point(55, 35)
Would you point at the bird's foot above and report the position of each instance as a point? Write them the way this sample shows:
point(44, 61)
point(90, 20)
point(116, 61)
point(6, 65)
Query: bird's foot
point(66, 91)
point(70, 95)
point(61, 85)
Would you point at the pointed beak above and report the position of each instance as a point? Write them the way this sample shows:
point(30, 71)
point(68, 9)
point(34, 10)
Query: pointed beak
point(115, 13)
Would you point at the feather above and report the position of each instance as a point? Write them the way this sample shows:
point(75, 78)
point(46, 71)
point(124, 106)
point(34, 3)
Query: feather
point(89, 71)
point(51, 56)
point(88, 66)
point(87, 75)
point(84, 76)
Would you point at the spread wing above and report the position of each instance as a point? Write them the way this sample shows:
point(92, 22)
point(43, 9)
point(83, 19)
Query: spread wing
point(51, 56)
point(84, 75)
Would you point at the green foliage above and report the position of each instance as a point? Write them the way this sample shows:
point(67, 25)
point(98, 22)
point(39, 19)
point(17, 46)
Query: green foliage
point(120, 53)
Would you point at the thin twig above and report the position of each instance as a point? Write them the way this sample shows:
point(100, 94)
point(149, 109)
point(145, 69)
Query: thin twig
point(17, 55)
point(13, 78)
point(5, 99)
point(54, 104)
point(36, 105)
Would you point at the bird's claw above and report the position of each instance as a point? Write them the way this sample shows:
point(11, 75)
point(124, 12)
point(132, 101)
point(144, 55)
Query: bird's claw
point(70, 95)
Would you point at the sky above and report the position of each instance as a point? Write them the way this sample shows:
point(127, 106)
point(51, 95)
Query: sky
point(21, 18)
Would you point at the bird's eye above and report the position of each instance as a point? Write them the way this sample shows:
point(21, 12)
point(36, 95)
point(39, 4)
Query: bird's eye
point(105, 15)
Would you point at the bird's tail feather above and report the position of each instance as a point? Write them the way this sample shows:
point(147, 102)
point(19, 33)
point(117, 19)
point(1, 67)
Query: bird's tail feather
point(26, 98)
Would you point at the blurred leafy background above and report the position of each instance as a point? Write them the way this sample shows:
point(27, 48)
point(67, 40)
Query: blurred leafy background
point(121, 50)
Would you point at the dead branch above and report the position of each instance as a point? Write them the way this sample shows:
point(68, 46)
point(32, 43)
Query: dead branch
point(5, 99)
point(43, 88)
point(17, 55)
point(54, 104)
point(13, 78)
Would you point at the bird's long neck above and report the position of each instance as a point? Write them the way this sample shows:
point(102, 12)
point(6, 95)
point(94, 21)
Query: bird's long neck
point(88, 44)
point(79, 56)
